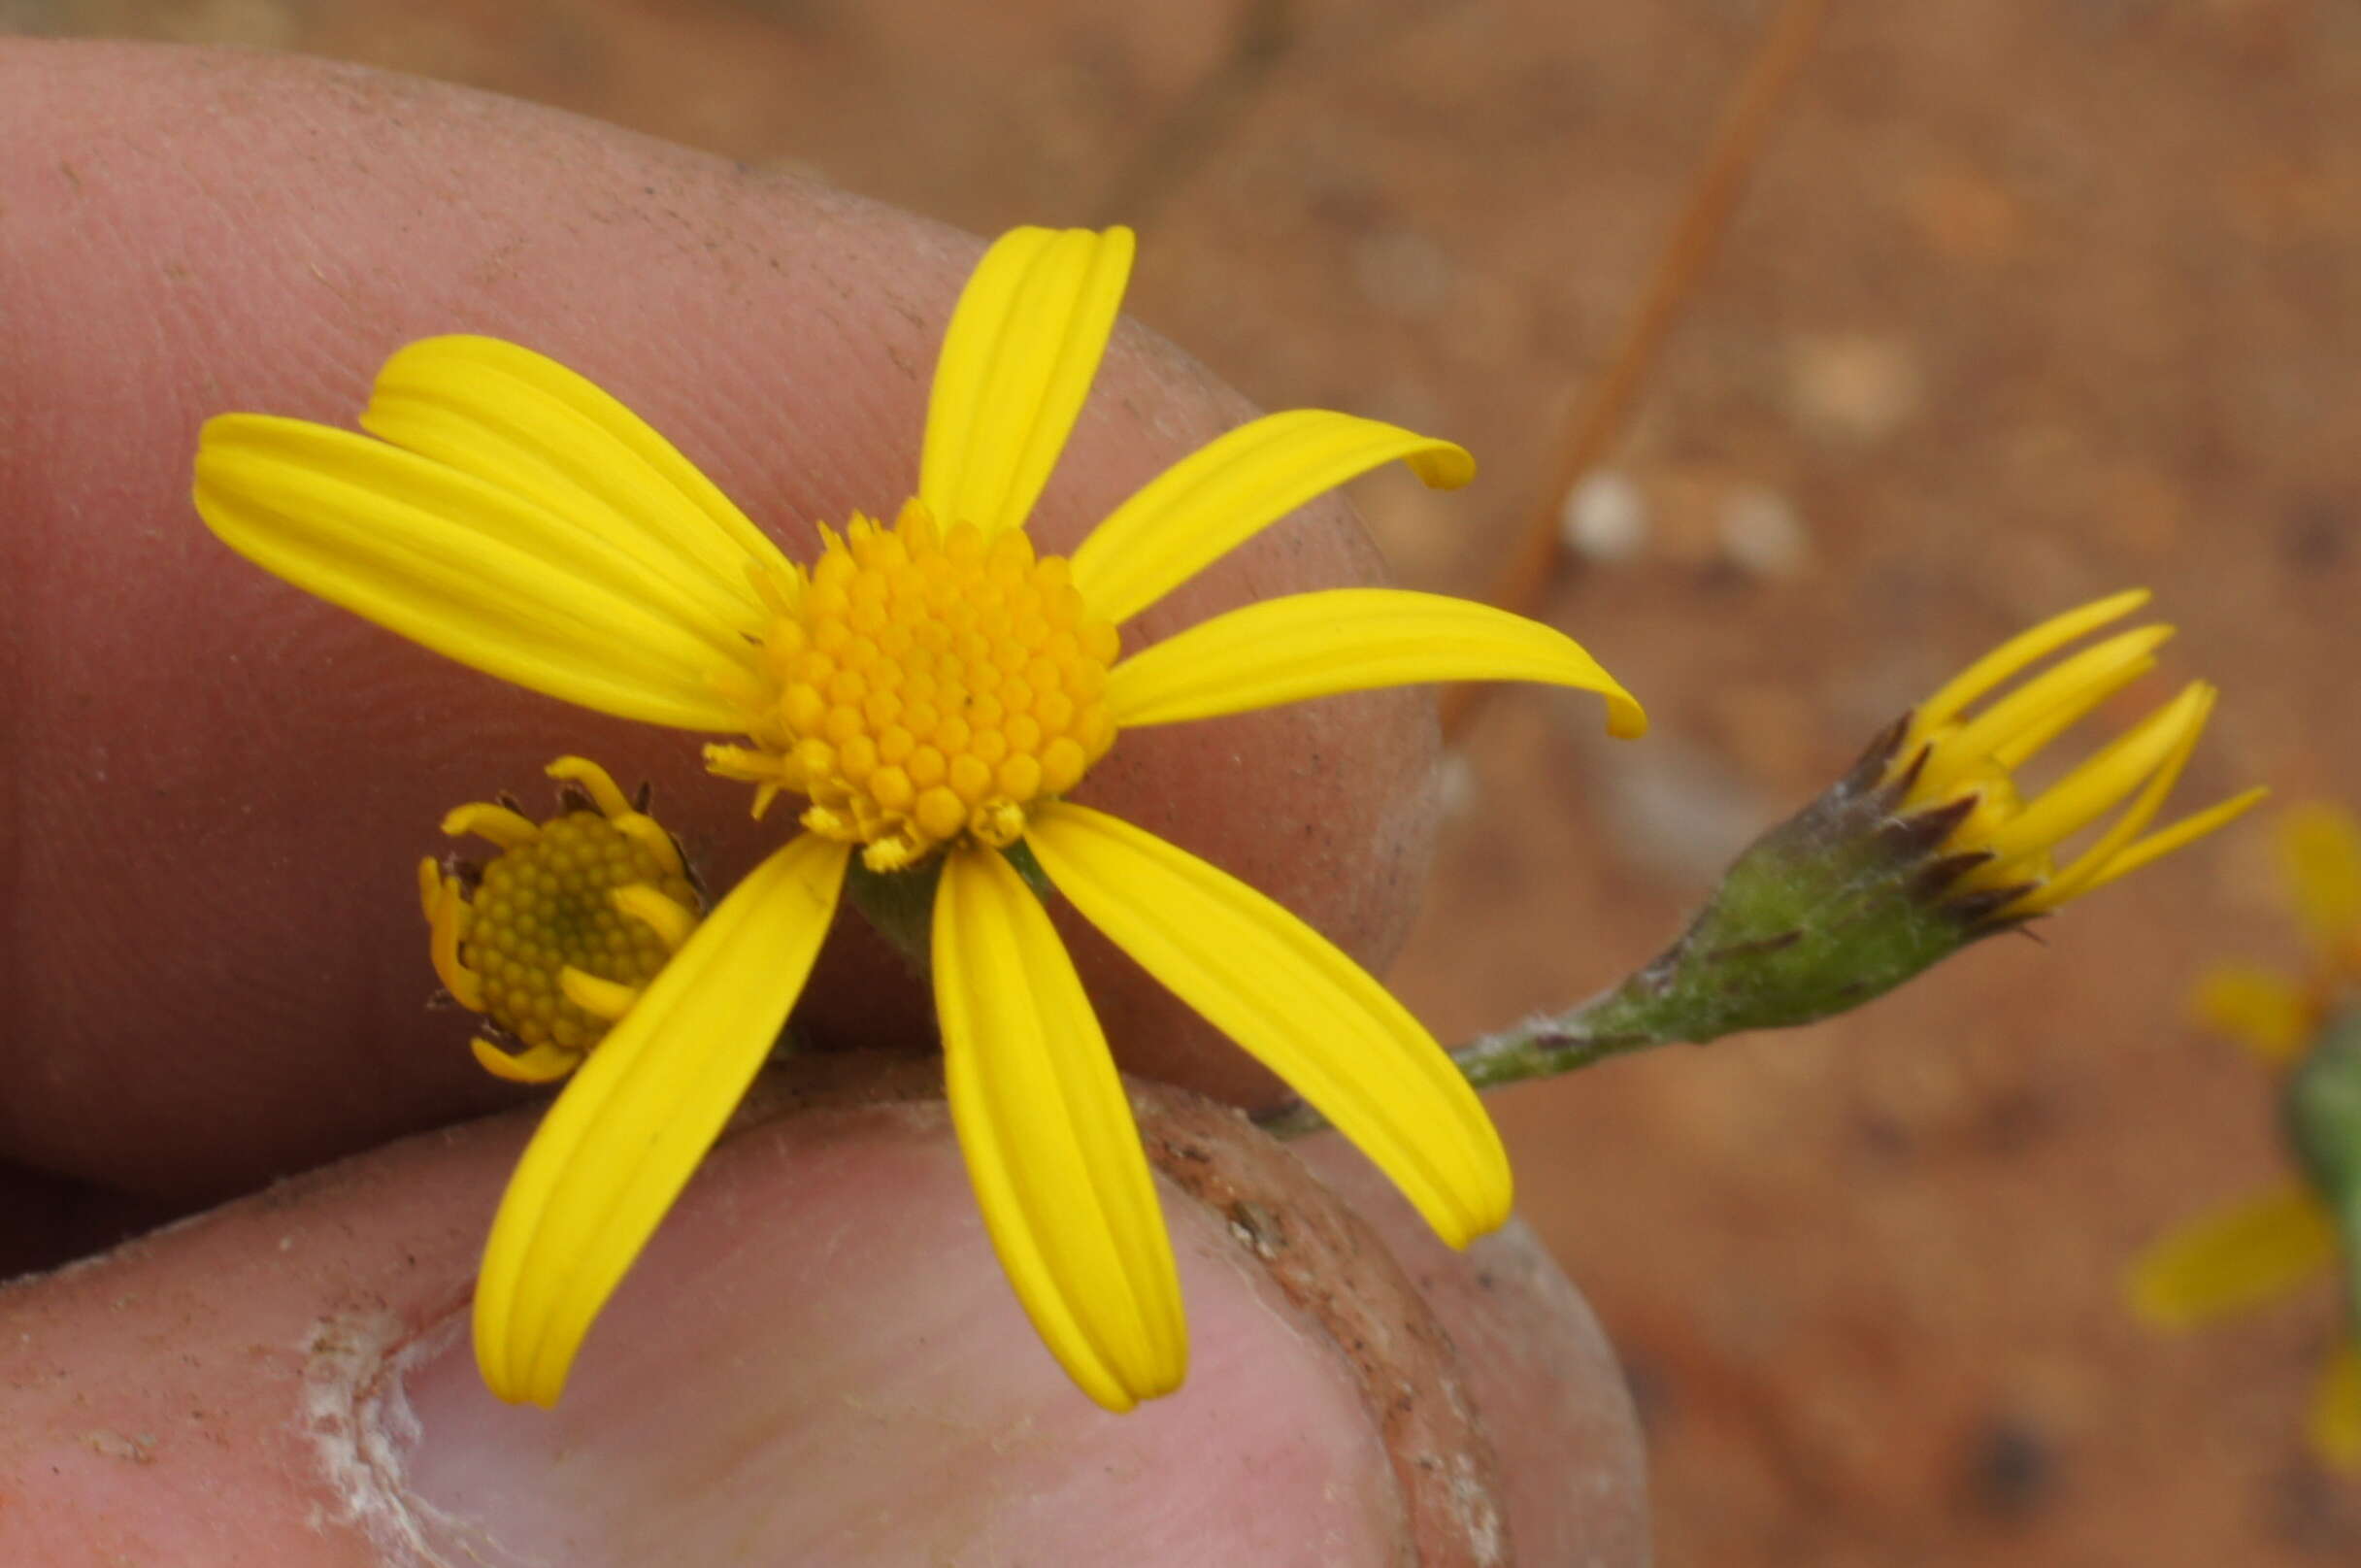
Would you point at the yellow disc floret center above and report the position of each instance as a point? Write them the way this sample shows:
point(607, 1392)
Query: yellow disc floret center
point(546, 905)
point(925, 685)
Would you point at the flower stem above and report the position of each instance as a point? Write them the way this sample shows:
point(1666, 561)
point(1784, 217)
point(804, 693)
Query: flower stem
point(1839, 904)
point(1632, 1016)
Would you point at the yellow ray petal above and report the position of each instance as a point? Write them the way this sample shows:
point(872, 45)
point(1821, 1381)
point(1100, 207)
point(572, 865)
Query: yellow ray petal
point(600, 998)
point(2104, 780)
point(1313, 645)
point(2186, 831)
point(2319, 848)
point(2014, 655)
point(2082, 872)
point(622, 1140)
point(1283, 992)
point(672, 922)
point(527, 425)
point(430, 888)
point(596, 782)
point(650, 835)
point(2265, 1012)
point(1049, 1141)
point(2072, 686)
point(495, 825)
point(2029, 743)
point(470, 571)
point(1230, 489)
point(1016, 363)
point(2234, 1258)
point(445, 920)
point(535, 1064)
point(2335, 1428)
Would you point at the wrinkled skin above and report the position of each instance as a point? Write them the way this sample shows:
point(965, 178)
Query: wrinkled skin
point(217, 787)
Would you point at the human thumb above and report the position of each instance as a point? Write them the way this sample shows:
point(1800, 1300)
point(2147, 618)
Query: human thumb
point(817, 1362)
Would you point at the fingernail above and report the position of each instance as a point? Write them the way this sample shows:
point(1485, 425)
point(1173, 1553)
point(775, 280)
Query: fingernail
point(818, 1361)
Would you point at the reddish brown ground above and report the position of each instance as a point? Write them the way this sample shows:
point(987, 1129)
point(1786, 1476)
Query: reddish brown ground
point(2031, 300)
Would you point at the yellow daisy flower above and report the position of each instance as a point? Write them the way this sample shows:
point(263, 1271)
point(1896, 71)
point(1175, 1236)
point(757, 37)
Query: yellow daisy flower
point(1950, 761)
point(2249, 1253)
point(931, 689)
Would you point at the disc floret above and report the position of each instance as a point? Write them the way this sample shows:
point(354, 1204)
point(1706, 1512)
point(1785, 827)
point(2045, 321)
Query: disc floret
point(553, 938)
point(924, 685)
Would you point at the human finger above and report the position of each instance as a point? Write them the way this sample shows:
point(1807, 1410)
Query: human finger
point(818, 1360)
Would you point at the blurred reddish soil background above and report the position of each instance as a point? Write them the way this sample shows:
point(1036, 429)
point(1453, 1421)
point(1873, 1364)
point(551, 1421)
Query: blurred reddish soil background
point(2030, 301)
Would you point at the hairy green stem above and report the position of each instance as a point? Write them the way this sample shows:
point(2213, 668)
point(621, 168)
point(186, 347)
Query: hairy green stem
point(1841, 903)
point(1632, 1016)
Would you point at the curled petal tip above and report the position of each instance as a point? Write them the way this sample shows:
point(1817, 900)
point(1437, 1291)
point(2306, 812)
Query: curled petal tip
point(1445, 466)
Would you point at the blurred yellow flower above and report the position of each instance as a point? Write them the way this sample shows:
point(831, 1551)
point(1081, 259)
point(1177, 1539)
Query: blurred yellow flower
point(2249, 1253)
point(930, 689)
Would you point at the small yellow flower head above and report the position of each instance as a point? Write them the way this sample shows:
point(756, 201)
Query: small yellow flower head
point(1926, 846)
point(552, 939)
point(1957, 770)
point(920, 684)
